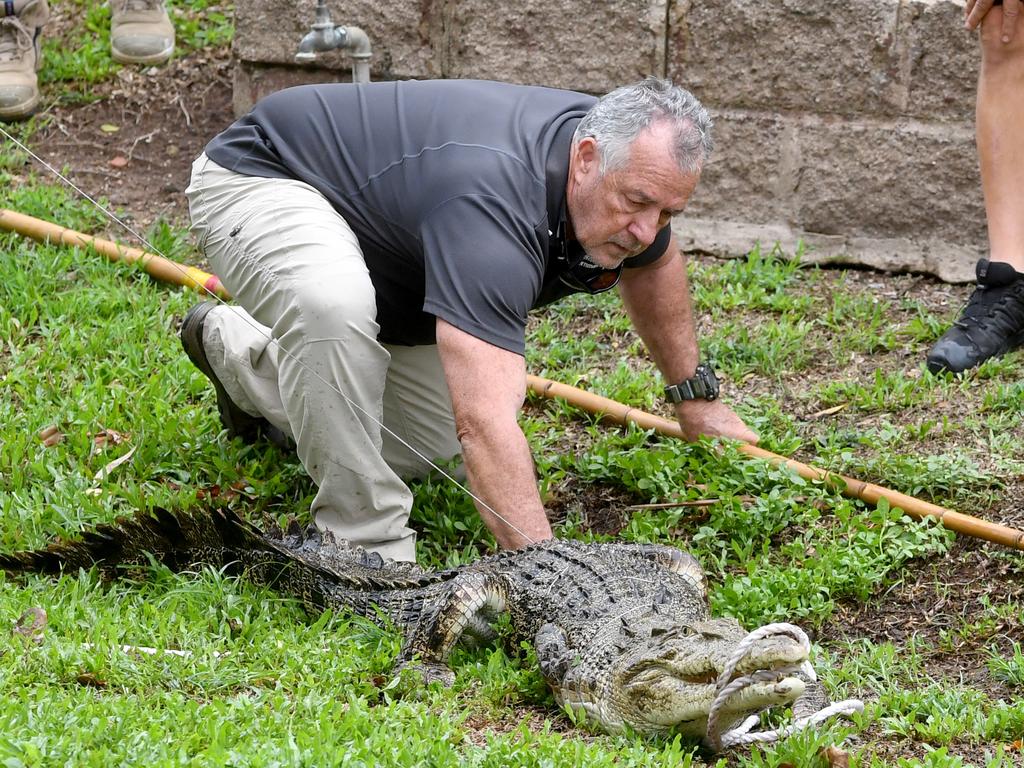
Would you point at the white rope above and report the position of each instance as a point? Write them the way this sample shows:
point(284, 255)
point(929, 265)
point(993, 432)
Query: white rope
point(260, 329)
point(726, 687)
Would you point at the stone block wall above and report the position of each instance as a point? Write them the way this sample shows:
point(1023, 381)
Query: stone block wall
point(848, 127)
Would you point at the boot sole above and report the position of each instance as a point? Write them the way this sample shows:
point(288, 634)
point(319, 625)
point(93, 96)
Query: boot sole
point(153, 58)
point(191, 334)
point(22, 111)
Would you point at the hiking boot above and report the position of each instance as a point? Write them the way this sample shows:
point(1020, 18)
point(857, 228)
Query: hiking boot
point(237, 422)
point(21, 23)
point(141, 32)
point(991, 324)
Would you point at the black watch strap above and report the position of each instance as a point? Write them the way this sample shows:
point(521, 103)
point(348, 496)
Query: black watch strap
point(703, 386)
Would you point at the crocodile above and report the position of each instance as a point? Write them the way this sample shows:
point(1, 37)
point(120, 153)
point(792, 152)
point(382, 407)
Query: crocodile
point(622, 631)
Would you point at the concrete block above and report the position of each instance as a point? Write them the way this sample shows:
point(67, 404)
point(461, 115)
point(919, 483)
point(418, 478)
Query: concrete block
point(730, 238)
point(889, 179)
point(789, 54)
point(750, 171)
point(943, 60)
point(591, 47)
point(254, 81)
point(403, 33)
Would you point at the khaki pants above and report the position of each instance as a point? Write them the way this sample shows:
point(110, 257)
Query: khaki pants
point(308, 329)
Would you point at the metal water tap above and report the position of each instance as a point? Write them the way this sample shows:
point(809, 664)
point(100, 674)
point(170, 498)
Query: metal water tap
point(326, 36)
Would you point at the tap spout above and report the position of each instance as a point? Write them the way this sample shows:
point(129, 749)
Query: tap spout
point(326, 36)
point(320, 38)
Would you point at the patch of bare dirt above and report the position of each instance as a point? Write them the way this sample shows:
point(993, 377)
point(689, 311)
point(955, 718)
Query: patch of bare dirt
point(135, 145)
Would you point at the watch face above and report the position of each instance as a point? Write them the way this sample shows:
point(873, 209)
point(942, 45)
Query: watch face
point(702, 386)
point(707, 377)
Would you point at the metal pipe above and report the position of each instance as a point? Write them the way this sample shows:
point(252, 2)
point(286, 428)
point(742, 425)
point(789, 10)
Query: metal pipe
point(359, 51)
point(326, 36)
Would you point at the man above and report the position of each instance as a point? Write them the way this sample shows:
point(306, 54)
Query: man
point(140, 33)
point(993, 321)
point(388, 240)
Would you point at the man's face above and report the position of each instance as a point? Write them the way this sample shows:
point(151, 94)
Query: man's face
point(617, 215)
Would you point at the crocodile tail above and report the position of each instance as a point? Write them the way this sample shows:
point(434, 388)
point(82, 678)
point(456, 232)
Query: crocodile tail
point(176, 539)
point(317, 570)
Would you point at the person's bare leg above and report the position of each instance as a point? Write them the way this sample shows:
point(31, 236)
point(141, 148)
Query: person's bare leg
point(1000, 147)
point(992, 323)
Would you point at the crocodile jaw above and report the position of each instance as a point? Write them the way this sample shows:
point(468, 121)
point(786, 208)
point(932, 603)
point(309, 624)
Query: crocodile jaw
point(668, 684)
point(672, 704)
point(675, 705)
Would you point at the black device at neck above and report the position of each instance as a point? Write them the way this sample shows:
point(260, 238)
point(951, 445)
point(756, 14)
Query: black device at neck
point(578, 271)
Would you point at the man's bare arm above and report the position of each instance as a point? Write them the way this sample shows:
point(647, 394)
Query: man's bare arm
point(488, 385)
point(657, 298)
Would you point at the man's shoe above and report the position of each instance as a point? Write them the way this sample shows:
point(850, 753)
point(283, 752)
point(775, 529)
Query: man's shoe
point(141, 32)
point(21, 23)
point(991, 324)
point(237, 422)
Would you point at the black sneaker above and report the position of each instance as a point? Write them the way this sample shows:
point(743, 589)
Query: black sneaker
point(991, 324)
point(237, 422)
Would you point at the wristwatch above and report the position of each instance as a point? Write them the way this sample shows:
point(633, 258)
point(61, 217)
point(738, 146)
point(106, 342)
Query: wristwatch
point(703, 386)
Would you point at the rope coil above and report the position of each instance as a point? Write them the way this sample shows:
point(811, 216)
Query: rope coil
point(726, 686)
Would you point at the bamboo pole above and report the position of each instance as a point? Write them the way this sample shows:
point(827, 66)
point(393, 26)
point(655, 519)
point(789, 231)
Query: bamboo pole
point(157, 266)
point(619, 413)
point(622, 414)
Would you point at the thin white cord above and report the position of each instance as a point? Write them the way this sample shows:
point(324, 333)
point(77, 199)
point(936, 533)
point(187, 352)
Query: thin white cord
point(261, 330)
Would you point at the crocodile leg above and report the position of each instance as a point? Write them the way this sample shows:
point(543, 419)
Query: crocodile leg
point(480, 630)
point(671, 559)
point(553, 654)
point(433, 638)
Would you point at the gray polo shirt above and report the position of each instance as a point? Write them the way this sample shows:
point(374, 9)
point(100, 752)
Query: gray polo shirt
point(455, 189)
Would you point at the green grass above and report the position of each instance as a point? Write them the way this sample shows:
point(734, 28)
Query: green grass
point(90, 345)
point(87, 346)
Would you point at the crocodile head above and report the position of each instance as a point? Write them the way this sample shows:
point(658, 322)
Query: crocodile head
point(662, 678)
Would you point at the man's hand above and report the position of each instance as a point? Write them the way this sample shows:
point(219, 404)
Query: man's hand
point(976, 10)
point(714, 419)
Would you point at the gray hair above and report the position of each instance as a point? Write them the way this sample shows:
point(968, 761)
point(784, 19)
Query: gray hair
point(619, 117)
